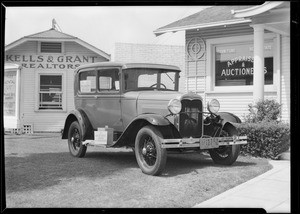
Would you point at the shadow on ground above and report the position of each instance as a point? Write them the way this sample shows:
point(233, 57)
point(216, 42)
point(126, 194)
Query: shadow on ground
point(42, 170)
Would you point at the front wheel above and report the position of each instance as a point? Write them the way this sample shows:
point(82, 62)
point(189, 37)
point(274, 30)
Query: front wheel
point(150, 157)
point(76, 148)
point(225, 155)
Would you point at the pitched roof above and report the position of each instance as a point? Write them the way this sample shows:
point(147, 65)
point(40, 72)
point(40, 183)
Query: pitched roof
point(52, 34)
point(209, 15)
point(55, 35)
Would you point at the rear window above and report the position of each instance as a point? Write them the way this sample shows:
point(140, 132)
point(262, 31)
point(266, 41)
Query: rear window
point(87, 81)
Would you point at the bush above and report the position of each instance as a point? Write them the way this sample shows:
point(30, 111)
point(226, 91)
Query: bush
point(265, 139)
point(266, 110)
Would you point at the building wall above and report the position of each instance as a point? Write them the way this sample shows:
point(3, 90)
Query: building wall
point(149, 53)
point(35, 63)
point(235, 101)
point(285, 78)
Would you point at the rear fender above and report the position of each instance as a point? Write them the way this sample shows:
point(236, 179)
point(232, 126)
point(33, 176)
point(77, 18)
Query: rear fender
point(161, 123)
point(84, 123)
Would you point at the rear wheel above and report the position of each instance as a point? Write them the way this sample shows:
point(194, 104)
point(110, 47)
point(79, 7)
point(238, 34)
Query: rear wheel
point(75, 140)
point(225, 155)
point(150, 157)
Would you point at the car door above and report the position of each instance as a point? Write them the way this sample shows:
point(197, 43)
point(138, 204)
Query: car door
point(108, 105)
point(86, 95)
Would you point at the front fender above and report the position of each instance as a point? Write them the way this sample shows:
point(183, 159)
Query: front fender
point(229, 121)
point(225, 120)
point(154, 119)
point(84, 123)
point(228, 117)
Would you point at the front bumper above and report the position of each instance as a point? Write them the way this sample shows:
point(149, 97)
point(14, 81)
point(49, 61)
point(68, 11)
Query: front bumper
point(204, 143)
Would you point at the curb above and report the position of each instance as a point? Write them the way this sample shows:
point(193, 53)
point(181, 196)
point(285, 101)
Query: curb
point(278, 165)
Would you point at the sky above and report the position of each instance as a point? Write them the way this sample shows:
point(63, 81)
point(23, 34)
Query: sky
point(100, 26)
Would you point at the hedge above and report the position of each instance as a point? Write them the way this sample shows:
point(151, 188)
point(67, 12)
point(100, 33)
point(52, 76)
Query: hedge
point(265, 139)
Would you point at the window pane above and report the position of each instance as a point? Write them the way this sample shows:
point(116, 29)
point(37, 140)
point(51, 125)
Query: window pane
point(146, 80)
point(50, 82)
point(234, 64)
point(149, 79)
point(50, 95)
point(108, 80)
point(168, 80)
point(87, 81)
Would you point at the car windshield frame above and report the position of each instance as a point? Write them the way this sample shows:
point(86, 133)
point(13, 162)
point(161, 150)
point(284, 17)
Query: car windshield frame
point(150, 71)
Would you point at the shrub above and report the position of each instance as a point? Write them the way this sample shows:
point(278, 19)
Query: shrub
point(266, 110)
point(265, 139)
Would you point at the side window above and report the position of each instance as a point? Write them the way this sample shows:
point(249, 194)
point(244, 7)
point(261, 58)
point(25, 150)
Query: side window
point(108, 80)
point(87, 81)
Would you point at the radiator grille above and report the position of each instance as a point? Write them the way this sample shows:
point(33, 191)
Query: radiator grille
point(191, 120)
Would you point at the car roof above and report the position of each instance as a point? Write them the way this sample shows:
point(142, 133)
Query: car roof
point(128, 65)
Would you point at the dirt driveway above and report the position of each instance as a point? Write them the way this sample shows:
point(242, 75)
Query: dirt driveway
point(40, 172)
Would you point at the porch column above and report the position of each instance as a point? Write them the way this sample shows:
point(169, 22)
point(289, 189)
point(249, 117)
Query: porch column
point(258, 65)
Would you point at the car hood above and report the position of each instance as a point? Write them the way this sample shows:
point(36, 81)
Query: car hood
point(152, 101)
point(142, 102)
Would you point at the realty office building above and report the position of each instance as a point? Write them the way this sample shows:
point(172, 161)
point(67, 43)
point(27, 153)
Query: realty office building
point(238, 54)
point(39, 71)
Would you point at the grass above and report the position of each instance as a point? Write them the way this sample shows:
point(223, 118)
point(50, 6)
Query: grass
point(40, 172)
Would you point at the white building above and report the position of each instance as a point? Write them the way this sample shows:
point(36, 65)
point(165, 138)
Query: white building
point(39, 79)
point(238, 54)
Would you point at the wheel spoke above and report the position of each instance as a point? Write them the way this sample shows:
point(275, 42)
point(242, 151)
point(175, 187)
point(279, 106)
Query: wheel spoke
point(148, 151)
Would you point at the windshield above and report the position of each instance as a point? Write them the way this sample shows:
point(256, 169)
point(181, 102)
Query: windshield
point(150, 79)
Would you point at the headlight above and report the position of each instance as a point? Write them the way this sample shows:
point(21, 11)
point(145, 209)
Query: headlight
point(213, 106)
point(174, 106)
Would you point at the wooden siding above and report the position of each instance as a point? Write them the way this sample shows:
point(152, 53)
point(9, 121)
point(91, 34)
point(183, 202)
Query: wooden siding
point(47, 121)
point(196, 68)
point(285, 78)
point(236, 103)
point(196, 84)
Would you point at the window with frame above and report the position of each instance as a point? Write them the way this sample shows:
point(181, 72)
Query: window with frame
point(50, 92)
point(87, 80)
point(108, 80)
point(234, 64)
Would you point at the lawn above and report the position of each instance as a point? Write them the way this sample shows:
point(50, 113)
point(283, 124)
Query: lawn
point(40, 172)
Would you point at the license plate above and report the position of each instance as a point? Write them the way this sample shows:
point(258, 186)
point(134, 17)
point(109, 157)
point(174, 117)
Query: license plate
point(209, 143)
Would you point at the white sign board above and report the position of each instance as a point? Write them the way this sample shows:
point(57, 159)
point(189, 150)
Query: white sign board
point(85, 86)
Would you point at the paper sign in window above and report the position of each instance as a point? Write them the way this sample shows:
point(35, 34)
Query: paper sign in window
point(85, 86)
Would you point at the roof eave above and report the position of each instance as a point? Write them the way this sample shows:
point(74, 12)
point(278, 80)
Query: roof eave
point(75, 39)
point(252, 11)
point(199, 26)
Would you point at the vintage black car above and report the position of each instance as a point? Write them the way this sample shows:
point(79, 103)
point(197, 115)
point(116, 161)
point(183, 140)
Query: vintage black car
point(138, 106)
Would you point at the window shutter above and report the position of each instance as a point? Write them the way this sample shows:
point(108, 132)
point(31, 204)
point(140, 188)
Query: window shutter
point(51, 47)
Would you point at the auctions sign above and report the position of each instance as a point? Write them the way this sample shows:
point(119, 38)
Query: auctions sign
point(239, 67)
